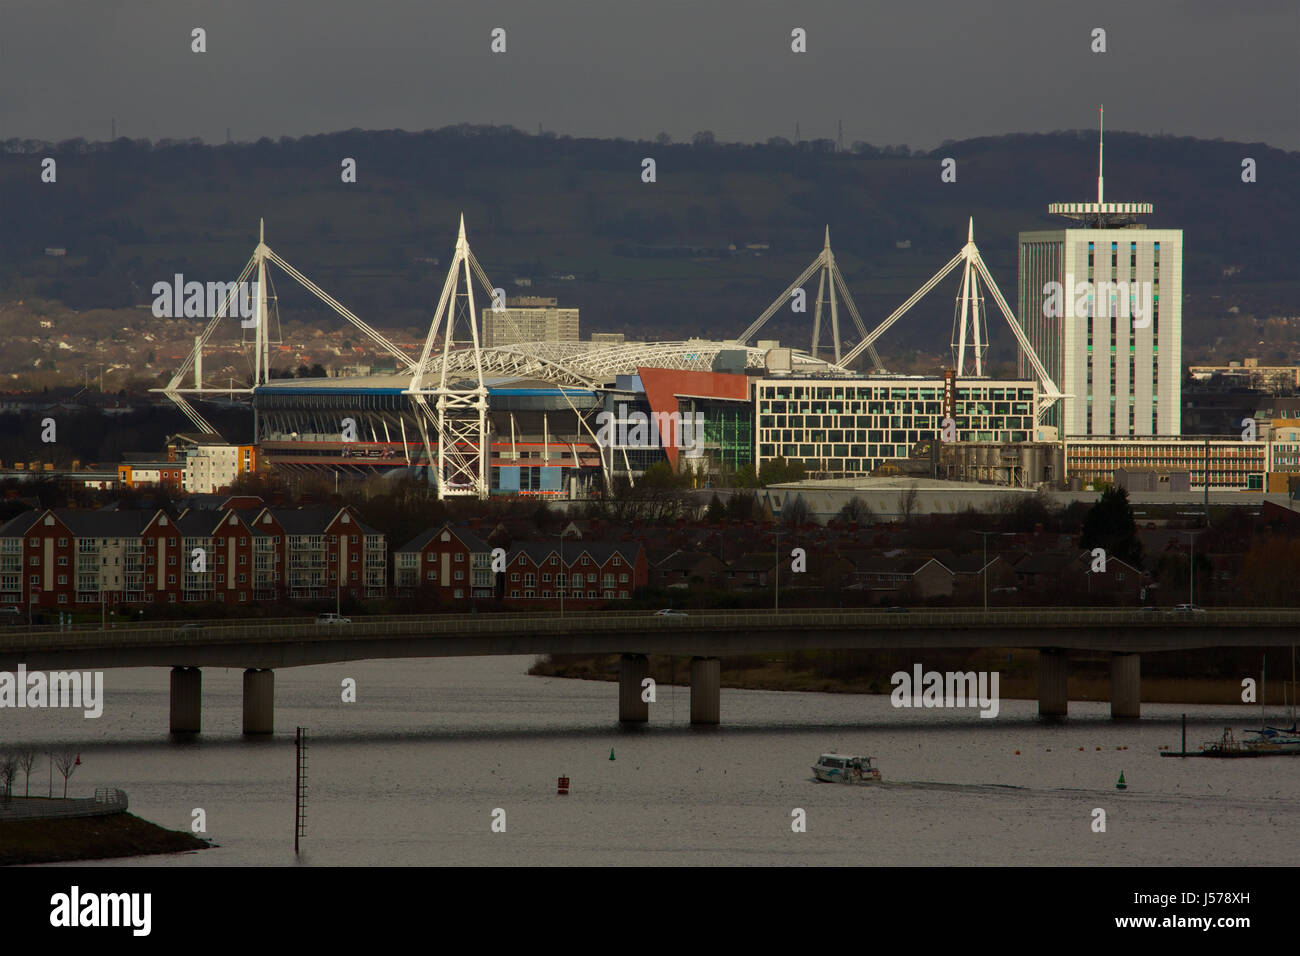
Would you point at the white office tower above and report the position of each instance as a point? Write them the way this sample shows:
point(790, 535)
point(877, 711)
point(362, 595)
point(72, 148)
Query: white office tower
point(1101, 303)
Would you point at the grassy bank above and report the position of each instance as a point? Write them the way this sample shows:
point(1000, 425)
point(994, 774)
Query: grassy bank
point(89, 838)
point(1190, 679)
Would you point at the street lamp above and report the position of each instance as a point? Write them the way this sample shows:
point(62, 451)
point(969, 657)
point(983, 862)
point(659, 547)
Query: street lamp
point(776, 598)
point(1191, 567)
point(564, 570)
point(984, 568)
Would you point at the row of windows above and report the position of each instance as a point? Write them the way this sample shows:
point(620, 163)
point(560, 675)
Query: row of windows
point(608, 595)
point(562, 581)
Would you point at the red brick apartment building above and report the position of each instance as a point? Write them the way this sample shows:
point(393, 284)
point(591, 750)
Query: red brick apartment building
point(237, 553)
point(450, 562)
point(591, 572)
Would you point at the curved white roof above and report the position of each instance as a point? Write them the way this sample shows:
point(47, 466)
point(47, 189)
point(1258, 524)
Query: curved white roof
point(594, 364)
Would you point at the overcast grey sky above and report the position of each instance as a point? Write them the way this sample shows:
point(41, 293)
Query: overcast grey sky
point(894, 72)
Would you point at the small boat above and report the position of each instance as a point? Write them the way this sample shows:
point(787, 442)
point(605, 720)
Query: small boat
point(1268, 742)
point(1274, 740)
point(843, 768)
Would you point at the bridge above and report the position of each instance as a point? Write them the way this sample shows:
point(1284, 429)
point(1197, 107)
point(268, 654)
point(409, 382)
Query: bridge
point(261, 646)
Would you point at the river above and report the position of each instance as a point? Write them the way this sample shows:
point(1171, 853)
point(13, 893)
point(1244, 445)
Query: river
point(412, 773)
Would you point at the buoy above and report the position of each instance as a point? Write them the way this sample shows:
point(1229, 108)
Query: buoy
point(1126, 747)
point(562, 788)
point(1017, 753)
point(611, 753)
point(1080, 748)
point(1121, 785)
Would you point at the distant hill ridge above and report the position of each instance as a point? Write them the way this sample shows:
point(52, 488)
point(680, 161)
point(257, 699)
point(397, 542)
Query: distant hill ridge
point(539, 208)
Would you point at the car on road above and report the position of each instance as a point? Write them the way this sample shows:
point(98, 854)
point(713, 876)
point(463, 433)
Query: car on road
point(670, 612)
point(1182, 610)
point(896, 610)
point(332, 618)
point(189, 630)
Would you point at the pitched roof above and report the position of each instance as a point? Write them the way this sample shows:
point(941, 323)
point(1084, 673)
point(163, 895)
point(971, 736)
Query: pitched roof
point(104, 524)
point(466, 537)
point(19, 524)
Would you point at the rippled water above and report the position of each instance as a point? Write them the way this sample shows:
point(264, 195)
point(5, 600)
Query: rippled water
point(411, 773)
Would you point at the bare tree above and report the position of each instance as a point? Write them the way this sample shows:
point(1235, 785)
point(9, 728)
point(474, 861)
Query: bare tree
point(857, 511)
point(26, 760)
point(8, 769)
point(795, 513)
point(66, 762)
point(907, 502)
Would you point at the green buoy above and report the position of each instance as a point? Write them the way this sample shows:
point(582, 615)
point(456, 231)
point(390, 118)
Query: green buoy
point(1121, 785)
point(611, 753)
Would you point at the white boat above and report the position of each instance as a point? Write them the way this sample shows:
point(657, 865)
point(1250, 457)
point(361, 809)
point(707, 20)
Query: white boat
point(845, 768)
point(1275, 740)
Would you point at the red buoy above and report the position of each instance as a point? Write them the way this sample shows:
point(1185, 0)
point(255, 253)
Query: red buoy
point(563, 788)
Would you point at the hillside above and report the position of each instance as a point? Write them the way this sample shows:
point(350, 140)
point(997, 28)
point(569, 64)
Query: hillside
point(651, 260)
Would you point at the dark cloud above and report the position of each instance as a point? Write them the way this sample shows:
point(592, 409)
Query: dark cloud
point(914, 72)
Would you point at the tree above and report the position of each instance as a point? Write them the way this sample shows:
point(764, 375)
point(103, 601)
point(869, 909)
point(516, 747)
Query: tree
point(1110, 525)
point(703, 138)
point(907, 503)
point(65, 761)
point(795, 512)
point(26, 760)
point(856, 511)
point(8, 769)
point(716, 511)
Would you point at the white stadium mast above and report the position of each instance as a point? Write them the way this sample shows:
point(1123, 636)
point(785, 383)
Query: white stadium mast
point(831, 279)
point(970, 255)
point(459, 415)
point(262, 254)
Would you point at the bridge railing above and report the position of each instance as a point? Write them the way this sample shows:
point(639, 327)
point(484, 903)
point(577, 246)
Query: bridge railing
point(407, 626)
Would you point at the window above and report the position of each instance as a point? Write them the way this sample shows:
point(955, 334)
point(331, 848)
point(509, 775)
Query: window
point(546, 578)
point(63, 599)
point(554, 560)
point(433, 575)
point(63, 542)
point(459, 594)
point(171, 561)
point(34, 561)
point(586, 560)
point(530, 579)
point(617, 561)
point(622, 579)
point(36, 580)
point(171, 579)
point(355, 539)
point(514, 576)
point(63, 579)
point(460, 555)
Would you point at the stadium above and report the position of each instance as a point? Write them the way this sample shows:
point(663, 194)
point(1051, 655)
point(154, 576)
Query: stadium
point(523, 418)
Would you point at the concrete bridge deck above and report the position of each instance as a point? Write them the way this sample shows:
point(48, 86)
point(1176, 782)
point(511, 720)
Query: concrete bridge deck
point(263, 645)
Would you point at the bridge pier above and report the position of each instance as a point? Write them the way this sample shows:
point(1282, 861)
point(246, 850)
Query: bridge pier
point(1053, 682)
point(1125, 685)
point(632, 669)
point(259, 701)
point(187, 695)
point(706, 683)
